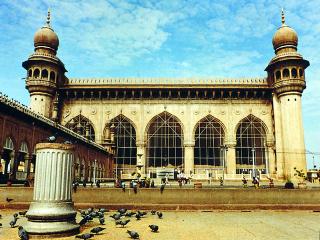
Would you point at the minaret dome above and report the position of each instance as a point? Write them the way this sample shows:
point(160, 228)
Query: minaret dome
point(285, 37)
point(46, 37)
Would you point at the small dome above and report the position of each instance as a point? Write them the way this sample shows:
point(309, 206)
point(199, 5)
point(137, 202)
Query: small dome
point(284, 36)
point(45, 36)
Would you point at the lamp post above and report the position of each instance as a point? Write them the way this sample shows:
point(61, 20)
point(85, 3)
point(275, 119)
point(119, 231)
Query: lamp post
point(94, 170)
point(224, 150)
point(253, 162)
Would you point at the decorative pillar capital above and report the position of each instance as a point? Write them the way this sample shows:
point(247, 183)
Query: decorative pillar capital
point(189, 143)
point(140, 144)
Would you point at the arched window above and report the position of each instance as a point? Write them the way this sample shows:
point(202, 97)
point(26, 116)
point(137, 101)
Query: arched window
point(125, 141)
point(30, 73)
point(278, 75)
point(36, 73)
point(8, 144)
point(285, 73)
point(165, 142)
point(300, 72)
point(250, 148)
point(44, 73)
point(294, 73)
point(52, 76)
point(209, 137)
point(24, 148)
point(82, 126)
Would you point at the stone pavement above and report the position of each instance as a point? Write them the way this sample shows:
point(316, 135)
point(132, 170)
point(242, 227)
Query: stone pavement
point(197, 225)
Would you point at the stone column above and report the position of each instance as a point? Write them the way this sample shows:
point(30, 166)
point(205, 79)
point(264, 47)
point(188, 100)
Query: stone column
point(188, 157)
point(141, 156)
point(271, 160)
point(52, 210)
point(231, 159)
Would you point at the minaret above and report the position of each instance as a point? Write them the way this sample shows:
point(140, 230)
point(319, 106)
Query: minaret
point(286, 75)
point(45, 72)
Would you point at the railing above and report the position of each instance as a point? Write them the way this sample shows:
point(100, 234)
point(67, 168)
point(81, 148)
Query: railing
point(155, 81)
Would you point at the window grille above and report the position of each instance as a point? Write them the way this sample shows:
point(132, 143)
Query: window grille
point(125, 141)
point(165, 142)
point(209, 137)
point(250, 148)
point(82, 126)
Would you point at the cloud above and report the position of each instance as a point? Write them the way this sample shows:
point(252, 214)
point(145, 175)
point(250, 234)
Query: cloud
point(98, 38)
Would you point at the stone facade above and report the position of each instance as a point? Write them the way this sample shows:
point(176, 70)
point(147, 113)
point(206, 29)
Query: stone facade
point(204, 127)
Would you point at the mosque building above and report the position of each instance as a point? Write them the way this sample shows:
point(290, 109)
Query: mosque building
point(218, 127)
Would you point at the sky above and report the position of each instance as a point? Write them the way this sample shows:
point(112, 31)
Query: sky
point(168, 38)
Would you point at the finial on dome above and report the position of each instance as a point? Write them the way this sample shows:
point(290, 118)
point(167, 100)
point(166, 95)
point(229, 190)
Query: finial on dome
point(283, 20)
point(48, 18)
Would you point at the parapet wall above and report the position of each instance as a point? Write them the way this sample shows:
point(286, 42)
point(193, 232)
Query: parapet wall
point(180, 199)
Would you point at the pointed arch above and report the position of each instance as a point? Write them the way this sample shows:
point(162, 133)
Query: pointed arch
point(83, 126)
point(8, 144)
point(209, 136)
point(251, 133)
point(125, 141)
point(24, 147)
point(164, 140)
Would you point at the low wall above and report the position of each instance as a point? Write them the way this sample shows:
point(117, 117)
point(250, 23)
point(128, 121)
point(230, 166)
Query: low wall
point(187, 199)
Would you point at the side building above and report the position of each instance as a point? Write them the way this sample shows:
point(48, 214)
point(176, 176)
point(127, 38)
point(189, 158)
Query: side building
point(200, 126)
point(21, 129)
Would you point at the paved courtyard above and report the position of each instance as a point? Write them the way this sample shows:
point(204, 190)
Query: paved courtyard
point(217, 225)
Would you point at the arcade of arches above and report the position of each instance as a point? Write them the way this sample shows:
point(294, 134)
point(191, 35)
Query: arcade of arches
point(215, 147)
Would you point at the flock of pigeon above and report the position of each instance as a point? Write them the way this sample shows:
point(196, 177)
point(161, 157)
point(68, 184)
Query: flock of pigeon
point(121, 217)
point(23, 235)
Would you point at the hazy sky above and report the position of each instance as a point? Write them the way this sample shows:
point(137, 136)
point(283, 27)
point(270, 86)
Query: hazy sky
point(227, 38)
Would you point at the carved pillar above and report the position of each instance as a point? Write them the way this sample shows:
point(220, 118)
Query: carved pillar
point(271, 159)
point(231, 158)
point(189, 157)
point(12, 165)
point(52, 210)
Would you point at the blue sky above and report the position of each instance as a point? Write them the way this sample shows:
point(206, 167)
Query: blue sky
point(227, 38)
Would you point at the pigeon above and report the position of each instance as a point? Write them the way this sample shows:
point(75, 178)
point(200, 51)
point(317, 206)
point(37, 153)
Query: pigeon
point(122, 222)
point(22, 213)
point(133, 234)
point(0, 216)
point(138, 216)
point(102, 220)
point(85, 219)
point(159, 214)
point(103, 210)
point(97, 230)
point(142, 213)
point(13, 222)
point(52, 138)
point(116, 216)
point(15, 215)
point(85, 236)
point(23, 235)
point(129, 214)
point(122, 211)
point(154, 228)
point(162, 187)
point(0, 224)
point(153, 212)
point(123, 186)
point(9, 199)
